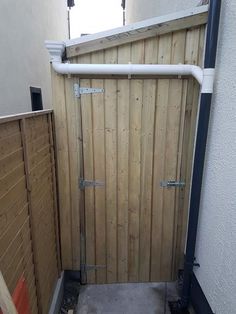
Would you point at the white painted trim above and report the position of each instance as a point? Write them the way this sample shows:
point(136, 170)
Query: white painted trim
point(57, 296)
point(56, 49)
point(138, 27)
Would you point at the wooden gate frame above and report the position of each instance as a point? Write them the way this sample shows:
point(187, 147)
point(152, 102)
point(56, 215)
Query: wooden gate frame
point(69, 137)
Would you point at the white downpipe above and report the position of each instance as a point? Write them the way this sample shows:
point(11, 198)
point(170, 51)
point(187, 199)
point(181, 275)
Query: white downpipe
point(56, 50)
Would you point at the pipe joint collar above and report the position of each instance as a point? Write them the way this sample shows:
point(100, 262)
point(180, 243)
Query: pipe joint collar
point(55, 49)
point(208, 81)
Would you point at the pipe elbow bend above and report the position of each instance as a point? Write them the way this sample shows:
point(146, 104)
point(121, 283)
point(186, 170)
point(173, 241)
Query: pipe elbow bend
point(197, 73)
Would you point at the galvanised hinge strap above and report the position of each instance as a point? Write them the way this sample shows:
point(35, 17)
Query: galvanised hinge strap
point(89, 183)
point(86, 90)
point(86, 267)
point(172, 183)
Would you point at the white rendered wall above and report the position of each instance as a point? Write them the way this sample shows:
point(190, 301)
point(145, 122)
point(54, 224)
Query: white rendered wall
point(138, 10)
point(216, 239)
point(24, 61)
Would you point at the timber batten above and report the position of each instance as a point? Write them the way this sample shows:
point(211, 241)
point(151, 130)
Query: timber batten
point(139, 132)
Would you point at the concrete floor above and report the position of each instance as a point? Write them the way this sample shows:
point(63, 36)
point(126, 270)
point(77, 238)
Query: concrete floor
point(139, 298)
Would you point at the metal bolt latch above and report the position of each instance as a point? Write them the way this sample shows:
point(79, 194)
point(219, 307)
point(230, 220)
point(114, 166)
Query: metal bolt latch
point(172, 183)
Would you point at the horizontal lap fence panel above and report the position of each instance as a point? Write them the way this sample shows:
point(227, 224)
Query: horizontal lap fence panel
point(28, 206)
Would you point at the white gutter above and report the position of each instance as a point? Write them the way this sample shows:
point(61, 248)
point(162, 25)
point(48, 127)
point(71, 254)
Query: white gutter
point(56, 50)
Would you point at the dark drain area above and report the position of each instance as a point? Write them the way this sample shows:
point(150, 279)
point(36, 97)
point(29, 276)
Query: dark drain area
point(71, 291)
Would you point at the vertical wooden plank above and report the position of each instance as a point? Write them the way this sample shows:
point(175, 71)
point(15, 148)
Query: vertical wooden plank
point(55, 194)
point(87, 126)
point(192, 45)
point(137, 56)
point(99, 174)
point(171, 156)
point(147, 136)
point(201, 45)
point(189, 156)
point(191, 57)
point(111, 168)
point(178, 56)
point(179, 177)
point(6, 303)
point(82, 213)
point(31, 224)
point(123, 89)
point(164, 57)
point(184, 161)
point(73, 123)
point(61, 126)
point(82, 202)
point(87, 132)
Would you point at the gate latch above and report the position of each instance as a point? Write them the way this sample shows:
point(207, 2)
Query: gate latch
point(89, 183)
point(86, 90)
point(172, 183)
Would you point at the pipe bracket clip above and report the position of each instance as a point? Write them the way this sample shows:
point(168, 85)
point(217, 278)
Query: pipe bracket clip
point(129, 74)
point(208, 81)
point(191, 265)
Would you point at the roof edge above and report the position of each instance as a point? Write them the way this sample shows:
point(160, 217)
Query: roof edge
point(136, 31)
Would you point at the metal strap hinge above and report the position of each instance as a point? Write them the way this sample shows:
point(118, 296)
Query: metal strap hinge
point(89, 183)
point(172, 183)
point(92, 267)
point(86, 90)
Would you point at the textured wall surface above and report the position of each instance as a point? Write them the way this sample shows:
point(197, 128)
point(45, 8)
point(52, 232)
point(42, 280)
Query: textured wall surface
point(24, 61)
point(216, 242)
point(137, 10)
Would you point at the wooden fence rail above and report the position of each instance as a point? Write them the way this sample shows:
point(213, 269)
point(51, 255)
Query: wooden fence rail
point(28, 206)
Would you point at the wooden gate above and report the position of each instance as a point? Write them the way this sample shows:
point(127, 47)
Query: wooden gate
point(139, 132)
point(132, 140)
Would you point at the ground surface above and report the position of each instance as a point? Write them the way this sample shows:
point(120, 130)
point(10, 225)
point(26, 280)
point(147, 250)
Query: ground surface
point(140, 298)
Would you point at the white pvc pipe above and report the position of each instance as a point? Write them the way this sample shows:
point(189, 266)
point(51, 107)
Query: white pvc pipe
point(130, 69)
point(56, 50)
